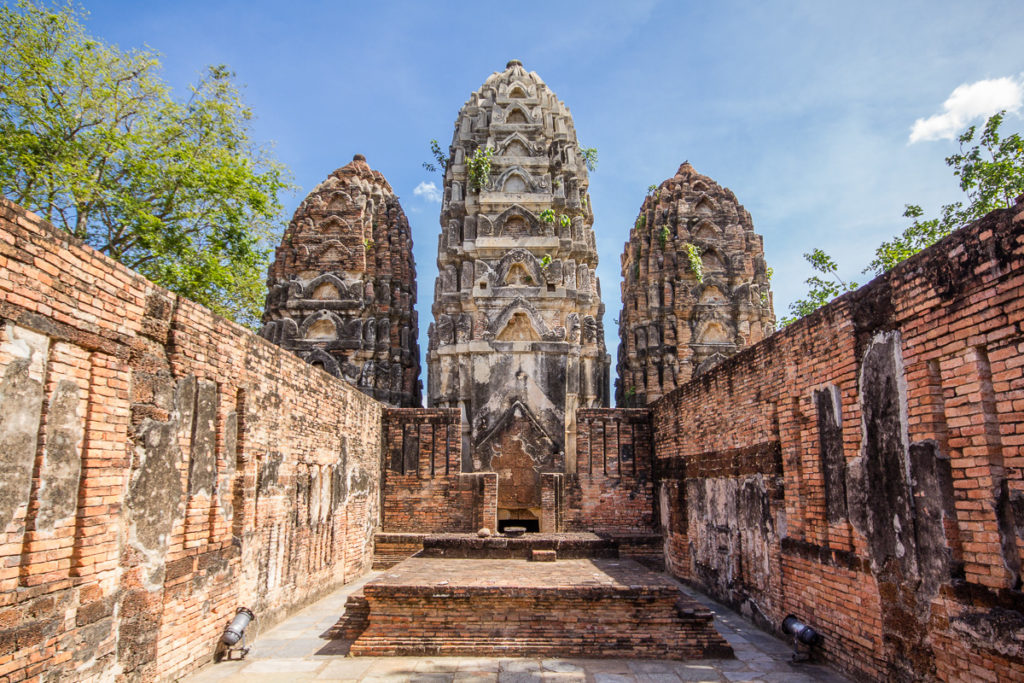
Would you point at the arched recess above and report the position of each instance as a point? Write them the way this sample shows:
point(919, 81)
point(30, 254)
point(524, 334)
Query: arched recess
point(532, 223)
point(321, 324)
point(517, 141)
point(321, 358)
point(525, 180)
point(338, 200)
point(518, 328)
point(520, 257)
point(716, 263)
point(516, 113)
point(713, 332)
point(330, 251)
point(318, 284)
point(713, 291)
point(519, 305)
point(704, 205)
point(517, 89)
point(706, 230)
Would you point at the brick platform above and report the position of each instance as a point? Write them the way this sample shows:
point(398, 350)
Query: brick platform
point(576, 607)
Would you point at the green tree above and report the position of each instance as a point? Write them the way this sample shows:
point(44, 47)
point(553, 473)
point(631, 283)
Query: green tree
point(821, 290)
point(92, 139)
point(991, 172)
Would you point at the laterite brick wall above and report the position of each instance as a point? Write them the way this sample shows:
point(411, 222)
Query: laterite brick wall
point(161, 467)
point(863, 468)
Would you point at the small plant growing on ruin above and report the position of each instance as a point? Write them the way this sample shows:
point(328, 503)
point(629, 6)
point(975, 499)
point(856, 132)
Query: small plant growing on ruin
point(548, 215)
point(368, 244)
point(479, 167)
point(545, 261)
point(556, 183)
point(663, 236)
point(583, 202)
point(440, 159)
point(764, 297)
point(589, 157)
point(693, 256)
point(630, 395)
point(640, 222)
point(563, 220)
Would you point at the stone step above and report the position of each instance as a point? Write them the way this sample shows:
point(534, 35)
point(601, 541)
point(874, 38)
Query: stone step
point(582, 608)
point(354, 620)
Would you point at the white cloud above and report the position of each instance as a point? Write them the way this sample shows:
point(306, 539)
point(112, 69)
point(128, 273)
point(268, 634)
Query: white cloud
point(428, 191)
point(968, 102)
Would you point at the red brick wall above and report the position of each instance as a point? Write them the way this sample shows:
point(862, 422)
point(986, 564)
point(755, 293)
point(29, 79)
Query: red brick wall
point(162, 467)
point(612, 490)
point(863, 468)
point(424, 490)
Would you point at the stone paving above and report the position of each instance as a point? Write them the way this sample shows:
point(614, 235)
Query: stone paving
point(296, 651)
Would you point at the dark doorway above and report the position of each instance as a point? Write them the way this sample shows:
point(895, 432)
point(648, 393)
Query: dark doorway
point(531, 525)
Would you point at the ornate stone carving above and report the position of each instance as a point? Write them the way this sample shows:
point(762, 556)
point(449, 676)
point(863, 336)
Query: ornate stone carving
point(518, 262)
point(347, 255)
point(728, 310)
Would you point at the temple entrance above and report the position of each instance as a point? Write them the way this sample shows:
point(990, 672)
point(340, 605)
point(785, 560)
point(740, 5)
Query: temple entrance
point(518, 482)
point(518, 450)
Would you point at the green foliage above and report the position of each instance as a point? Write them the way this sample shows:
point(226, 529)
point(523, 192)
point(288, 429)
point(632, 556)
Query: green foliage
point(563, 220)
point(440, 159)
point(629, 396)
point(663, 236)
point(821, 289)
point(479, 167)
point(651, 189)
point(367, 244)
point(696, 264)
point(640, 222)
point(770, 272)
point(91, 138)
point(548, 215)
point(545, 261)
point(589, 157)
point(991, 172)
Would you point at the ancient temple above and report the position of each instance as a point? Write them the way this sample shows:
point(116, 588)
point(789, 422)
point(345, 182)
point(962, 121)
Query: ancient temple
point(518, 341)
point(694, 287)
point(343, 286)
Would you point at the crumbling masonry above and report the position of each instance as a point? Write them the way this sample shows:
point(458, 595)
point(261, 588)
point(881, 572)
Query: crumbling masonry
point(343, 286)
point(862, 469)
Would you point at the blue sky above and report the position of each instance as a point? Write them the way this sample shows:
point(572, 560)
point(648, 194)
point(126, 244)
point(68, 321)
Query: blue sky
point(803, 109)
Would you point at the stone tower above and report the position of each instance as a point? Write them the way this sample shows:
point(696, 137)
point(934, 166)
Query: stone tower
point(343, 286)
point(675, 324)
point(518, 341)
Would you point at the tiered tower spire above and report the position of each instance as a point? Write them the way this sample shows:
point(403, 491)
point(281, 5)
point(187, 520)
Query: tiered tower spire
point(518, 343)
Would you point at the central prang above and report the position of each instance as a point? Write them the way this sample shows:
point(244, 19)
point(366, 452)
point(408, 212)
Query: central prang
point(517, 343)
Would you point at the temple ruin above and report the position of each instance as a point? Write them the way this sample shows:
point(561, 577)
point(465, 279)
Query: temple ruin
point(695, 287)
point(517, 344)
point(860, 471)
point(342, 287)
